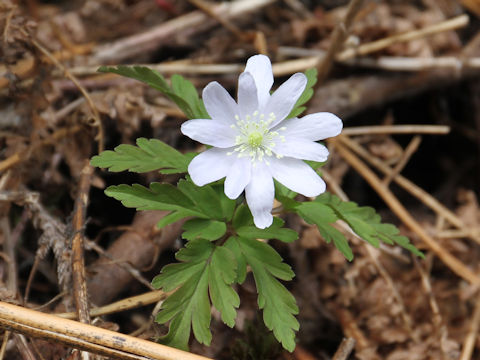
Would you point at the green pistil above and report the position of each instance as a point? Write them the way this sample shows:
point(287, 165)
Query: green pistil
point(255, 139)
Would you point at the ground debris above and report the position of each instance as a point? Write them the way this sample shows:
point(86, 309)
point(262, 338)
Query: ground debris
point(56, 111)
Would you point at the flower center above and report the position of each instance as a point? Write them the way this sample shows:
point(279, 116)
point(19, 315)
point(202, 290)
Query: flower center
point(254, 138)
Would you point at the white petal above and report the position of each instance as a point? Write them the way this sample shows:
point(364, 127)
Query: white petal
point(247, 95)
point(211, 132)
point(238, 177)
point(259, 194)
point(301, 149)
point(261, 69)
point(284, 98)
point(219, 104)
point(313, 127)
point(297, 176)
point(210, 165)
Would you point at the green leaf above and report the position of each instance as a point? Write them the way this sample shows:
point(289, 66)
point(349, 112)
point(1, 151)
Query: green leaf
point(188, 308)
point(323, 216)
point(242, 217)
point(232, 245)
point(223, 274)
point(187, 91)
point(203, 229)
point(329, 233)
point(315, 165)
point(205, 198)
point(275, 231)
point(157, 197)
point(148, 155)
point(172, 217)
point(278, 304)
point(204, 269)
point(366, 223)
point(282, 190)
point(311, 75)
point(227, 205)
point(285, 196)
point(180, 92)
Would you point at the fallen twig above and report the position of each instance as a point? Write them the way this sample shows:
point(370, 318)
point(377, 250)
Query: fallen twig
point(207, 9)
point(470, 339)
point(122, 305)
point(96, 116)
point(396, 129)
point(448, 259)
point(339, 36)
point(23, 155)
point(407, 154)
point(344, 350)
point(80, 292)
point(151, 39)
point(374, 46)
point(86, 337)
point(413, 189)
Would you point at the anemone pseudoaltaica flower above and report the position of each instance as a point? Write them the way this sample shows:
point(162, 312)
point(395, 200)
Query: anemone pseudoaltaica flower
point(253, 141)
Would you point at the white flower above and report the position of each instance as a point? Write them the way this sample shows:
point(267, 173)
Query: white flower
point(252, 143)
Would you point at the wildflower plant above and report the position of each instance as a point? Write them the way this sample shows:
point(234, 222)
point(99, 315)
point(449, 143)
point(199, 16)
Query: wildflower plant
point(258, 150)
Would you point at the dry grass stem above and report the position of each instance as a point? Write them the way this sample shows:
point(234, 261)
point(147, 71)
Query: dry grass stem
point(438, 322)
point(86, 337)
point(96, 116)
point(80, 292)
point(122, 305)
point(374, 46)
point(394, 204)
point(6, 337)
point(125, 265)
point(374, 254)
point(411, 148)
point(132, 45)
point(207, 9)
point(338, 37)
point(412, 188)
point(396, 129)
point(471, 338)
point(399, 63)
point(345, 349)
point(18, 157)
point(333, 185)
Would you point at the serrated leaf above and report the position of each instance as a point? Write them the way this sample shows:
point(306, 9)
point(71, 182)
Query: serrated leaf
point(274, 231)
point(244, 227)
point(148, 155)
point(311, 75)
point(242, 217)
point(282, 190)
point(232, 245)
point(222, 275)
point(366, 223)
point(172, 217)
point(203, 229)
point(204, 269)
point(278, 304)
point(205, 198)
point(158, 197)
point(323, 216)
point(156, 80)
point(227, 205)
point(329, 233)
point(187, 91)
point(315, 165)
point(188, 308)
